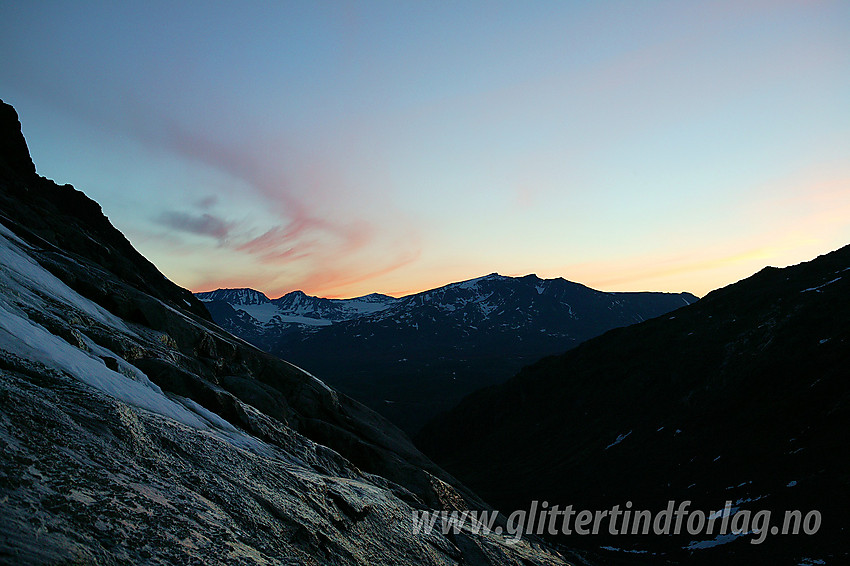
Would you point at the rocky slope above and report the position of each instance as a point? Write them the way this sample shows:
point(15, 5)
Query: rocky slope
point(743, 396)
point(134, 430)
point(410, 358)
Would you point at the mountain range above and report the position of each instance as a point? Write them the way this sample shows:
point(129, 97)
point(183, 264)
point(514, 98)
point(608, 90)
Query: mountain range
point(412, 357)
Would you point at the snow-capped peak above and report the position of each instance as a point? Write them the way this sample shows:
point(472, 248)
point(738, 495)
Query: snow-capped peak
point(243, 296)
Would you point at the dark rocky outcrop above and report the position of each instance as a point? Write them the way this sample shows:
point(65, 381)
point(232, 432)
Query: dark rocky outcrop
point(63, 220)
point(14, 154)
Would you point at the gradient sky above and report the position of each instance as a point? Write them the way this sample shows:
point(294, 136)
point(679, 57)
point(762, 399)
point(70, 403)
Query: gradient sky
point(343, 148)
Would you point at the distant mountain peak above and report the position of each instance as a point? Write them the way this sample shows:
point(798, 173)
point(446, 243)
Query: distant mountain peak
point(374, 298)
point(239, 296)
point(470, 283)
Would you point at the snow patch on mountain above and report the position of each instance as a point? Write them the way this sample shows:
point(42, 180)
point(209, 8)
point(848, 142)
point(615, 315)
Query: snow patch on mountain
point(25, 276)
point(29, 288)
point(475, 283)
point(234, 296)
point(819, 287)
point(493, 301)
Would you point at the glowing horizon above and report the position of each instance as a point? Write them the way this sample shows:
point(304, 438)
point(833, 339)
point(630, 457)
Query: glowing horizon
point(344, 149)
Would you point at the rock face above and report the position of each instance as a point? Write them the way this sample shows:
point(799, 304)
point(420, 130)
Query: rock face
point(63, 220)
point(412, 357)
point(134, 430)
point(13, 147)
point(743, 396)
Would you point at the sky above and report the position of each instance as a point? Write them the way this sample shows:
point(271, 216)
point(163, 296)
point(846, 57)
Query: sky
point(344, 148)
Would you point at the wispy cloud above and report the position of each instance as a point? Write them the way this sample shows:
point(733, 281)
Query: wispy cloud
point(292, 193)
point(202, 225)
point(348, 276)
point(207, 203)
point(322, 249)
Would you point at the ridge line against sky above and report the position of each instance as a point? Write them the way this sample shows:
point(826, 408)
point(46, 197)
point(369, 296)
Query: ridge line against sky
point(400, 296)
point(349, 148)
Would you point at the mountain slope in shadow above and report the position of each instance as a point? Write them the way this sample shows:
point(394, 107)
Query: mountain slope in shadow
point(742, 396)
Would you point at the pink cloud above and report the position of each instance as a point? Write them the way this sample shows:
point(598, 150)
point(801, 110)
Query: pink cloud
point(333, 282)
point(317, 252)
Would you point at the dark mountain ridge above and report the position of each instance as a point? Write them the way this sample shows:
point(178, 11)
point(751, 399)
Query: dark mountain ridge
point(743, 396)
point(64, 220)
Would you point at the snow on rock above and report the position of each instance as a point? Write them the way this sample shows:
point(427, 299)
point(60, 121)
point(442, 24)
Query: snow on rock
point(819, 287)
point(717, 541)
point(29, 288)
point(619, 439)
point(22, 274)
point(234, 296)
point(25, 339)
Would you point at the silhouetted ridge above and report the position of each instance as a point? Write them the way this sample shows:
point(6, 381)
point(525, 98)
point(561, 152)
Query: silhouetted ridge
point(742, 396)
point(61, 216)
point(14, 153)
